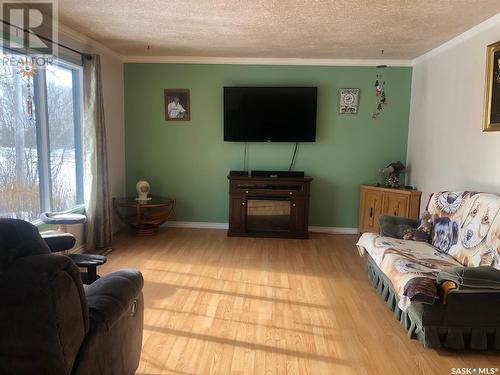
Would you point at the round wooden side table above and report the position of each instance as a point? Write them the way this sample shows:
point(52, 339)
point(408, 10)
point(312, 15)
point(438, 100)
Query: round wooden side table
point(144, 217)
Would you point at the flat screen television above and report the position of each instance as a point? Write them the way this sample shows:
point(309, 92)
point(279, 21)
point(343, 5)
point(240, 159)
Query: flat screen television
point(270, 114)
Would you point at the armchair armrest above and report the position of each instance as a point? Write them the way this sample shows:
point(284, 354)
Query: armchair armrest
point(484, 277)
point(57, 240)
point(470, 296)
point(395, 226)
point(471, 308)
point(112, 296)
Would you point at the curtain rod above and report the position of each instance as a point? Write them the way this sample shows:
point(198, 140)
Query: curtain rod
point(83, 54)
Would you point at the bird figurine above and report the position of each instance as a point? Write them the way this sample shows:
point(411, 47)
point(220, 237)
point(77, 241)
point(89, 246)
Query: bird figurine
point(393, 172)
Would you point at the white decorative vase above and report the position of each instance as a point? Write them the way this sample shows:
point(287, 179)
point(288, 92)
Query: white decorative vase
point(142, 188)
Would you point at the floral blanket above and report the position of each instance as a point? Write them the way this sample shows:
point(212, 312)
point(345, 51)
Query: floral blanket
point(411, 266)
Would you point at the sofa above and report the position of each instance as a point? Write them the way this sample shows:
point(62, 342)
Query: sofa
point(51, 324)
point(445, 292)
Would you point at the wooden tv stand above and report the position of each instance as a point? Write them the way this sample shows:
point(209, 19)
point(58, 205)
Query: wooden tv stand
point(269, 206)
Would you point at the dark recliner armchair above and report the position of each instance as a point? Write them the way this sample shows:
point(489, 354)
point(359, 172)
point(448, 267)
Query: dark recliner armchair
point(50, 324)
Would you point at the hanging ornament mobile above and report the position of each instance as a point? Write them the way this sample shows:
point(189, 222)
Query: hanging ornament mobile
point(26, 69)
point(380, 91)
point(29, 101)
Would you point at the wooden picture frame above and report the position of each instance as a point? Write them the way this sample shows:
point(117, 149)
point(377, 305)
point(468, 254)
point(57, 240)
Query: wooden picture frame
point(491, 117)
point(180, 106)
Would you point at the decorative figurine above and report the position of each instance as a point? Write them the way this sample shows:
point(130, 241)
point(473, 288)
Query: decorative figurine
point(142, 188)
point(393, 170)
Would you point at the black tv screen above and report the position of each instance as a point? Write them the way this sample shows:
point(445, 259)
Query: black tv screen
point(270, 114)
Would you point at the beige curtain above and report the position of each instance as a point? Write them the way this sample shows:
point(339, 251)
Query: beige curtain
point(96, 186)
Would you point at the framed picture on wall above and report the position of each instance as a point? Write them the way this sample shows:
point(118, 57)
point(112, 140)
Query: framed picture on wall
point(348, 101)
point(177, 106)
point(491, 118)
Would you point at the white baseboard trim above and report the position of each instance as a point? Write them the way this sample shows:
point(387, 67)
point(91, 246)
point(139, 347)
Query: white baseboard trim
point(196, 225)
point(333, 230)
point(207, 225)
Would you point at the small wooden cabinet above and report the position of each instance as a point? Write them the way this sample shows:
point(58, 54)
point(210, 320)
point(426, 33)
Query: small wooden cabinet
point(376, 201)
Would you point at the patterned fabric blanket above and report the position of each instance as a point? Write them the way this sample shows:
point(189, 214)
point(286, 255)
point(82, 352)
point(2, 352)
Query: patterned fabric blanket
point(466, 225)
point(411, 266)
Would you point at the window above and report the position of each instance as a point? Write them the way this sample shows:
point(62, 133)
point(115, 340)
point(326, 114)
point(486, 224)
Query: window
point(40, 139)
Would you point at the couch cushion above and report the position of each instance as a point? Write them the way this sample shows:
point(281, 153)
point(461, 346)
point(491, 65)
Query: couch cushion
point(467, 226)
point(396, 227)
point(411, 266)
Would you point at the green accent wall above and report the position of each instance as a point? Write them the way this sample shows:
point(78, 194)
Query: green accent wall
point(190, 160)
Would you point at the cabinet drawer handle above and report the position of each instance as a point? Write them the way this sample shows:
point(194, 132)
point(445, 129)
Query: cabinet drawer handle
point(293, 205)
point(371, 212)
point(291, 193)
point(242, 203)
point(395, 213)
point(246, 192)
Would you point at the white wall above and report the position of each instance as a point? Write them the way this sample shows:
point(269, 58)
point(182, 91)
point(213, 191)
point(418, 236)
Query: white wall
point(447, 149)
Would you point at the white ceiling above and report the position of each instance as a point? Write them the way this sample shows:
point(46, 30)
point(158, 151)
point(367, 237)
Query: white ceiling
point(335, 29)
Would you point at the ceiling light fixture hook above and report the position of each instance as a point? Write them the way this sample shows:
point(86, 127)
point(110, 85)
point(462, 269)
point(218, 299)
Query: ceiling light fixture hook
point(382, 55)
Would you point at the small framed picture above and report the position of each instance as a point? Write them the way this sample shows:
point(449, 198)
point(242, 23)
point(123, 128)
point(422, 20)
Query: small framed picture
point(348, 101)
point(491, 117)
point(177, 106)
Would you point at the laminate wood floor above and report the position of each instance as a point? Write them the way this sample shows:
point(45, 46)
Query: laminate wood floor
point(218, 305)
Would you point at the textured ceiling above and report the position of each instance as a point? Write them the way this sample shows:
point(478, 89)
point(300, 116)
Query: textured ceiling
point(355, 29)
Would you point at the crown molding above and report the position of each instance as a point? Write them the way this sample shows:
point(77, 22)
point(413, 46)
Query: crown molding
point(262, 61)
point(86, 42)
point(485, 25)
